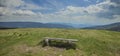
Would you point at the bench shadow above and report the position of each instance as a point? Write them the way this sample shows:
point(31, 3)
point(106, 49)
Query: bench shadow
point(59, 44)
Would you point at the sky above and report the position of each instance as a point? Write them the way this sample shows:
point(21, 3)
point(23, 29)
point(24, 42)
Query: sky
point(94, 12)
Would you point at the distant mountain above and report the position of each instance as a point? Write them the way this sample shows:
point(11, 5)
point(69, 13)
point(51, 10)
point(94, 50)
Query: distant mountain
point(113, 27)
point(77, 25)
point(32, 25)
point(81, 25)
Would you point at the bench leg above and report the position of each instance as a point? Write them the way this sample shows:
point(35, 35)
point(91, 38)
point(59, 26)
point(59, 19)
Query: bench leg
point(47, 42)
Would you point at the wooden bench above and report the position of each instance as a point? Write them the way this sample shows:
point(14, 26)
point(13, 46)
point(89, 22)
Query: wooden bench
point(47, 39)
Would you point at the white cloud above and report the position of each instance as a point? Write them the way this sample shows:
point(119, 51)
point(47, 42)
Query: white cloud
point(6, 11)
point(23, 12)
point(86, 15)
point(71, 14)
point(92, 9)
point(12, 3)
point(107, 3)
point(117, 17)
point(8, 7)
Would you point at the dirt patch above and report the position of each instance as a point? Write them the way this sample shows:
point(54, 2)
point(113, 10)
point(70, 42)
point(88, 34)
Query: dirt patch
point(21, 50)
point(117, 53)
point(25, 50)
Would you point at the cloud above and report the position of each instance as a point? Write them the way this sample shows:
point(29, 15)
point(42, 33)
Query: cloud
point(23, 12)
point(11, 3)
point(112, 9)
point(93, 14)
point(116, 1)
point(18, 7)
point(19, 4)
point(6, 11)
point(92, 9)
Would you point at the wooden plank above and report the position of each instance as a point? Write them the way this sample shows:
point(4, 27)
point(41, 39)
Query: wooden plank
point(73, 40)
point(69, 41)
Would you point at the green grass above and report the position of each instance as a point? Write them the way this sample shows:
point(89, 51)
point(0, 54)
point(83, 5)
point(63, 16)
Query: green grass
point(25, 42)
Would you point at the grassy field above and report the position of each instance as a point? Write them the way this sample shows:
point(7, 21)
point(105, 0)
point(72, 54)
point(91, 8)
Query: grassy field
point(25, 42)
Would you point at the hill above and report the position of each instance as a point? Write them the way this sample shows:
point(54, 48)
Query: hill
point(77, 26)
point(32, 25)
point(26, 42)
point(113, 27)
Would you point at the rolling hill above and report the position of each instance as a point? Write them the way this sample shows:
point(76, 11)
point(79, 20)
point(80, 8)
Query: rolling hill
point(113, 27)
point(32, 25)
point(26, 42)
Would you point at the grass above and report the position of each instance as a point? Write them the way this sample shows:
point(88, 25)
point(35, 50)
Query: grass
point(25, 42)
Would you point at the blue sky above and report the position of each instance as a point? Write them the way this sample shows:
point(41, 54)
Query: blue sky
point(94, 12)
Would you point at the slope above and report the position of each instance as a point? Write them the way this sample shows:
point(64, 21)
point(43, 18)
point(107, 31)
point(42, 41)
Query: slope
point(25, 42)
point(32, 25)
point(113, 27)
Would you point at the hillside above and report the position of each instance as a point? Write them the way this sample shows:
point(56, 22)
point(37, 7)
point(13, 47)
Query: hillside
point(26, 42)
point(113, 27)
point(32, 25)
